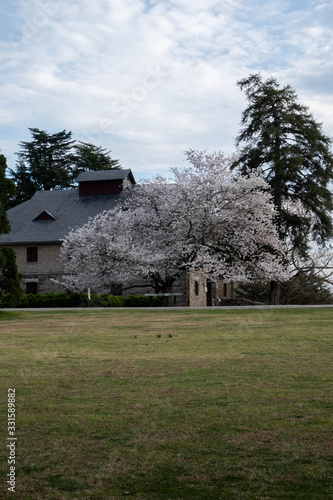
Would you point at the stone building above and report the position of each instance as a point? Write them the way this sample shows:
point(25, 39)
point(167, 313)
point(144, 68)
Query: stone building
point(39, 225)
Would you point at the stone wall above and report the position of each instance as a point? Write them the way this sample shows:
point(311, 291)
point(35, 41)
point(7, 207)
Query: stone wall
point(48, 266)
point(197, 289)
point(203, 292)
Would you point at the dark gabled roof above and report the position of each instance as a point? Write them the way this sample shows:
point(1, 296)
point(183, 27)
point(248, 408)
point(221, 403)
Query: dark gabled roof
point(106, 175)
point(65, 210)
point(66, 206)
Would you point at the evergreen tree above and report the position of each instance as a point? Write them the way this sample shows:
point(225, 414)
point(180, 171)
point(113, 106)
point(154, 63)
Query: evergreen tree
point(10, 279)
point(53, 161)
point(48, 159)
point(7, 191)
point(280, 136)
point(25, 186)
point(91, 157)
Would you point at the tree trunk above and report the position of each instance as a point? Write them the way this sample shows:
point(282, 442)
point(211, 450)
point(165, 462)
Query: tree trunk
point(164, 285)
point(169, 282)
point(275, 293)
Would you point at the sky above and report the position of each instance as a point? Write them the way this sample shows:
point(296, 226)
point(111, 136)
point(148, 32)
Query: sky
point(150, 79)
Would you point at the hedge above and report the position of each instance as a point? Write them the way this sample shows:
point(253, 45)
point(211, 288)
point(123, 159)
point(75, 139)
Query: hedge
point(41, 300)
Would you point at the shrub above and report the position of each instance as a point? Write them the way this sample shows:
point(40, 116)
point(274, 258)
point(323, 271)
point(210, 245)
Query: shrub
point(137, 301)
point(41, 300)
point(143, 301)
point(117, 301)
point(76, 300)
point(9, 300)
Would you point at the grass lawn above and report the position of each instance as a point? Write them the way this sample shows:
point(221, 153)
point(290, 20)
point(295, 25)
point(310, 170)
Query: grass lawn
point(158, 405)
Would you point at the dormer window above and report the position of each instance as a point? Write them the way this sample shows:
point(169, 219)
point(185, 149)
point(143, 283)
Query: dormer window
point(44, 216)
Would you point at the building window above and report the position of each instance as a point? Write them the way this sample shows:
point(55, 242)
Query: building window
point(196, 288)
point(32, 254)
point(32, 287)
point(225, 290)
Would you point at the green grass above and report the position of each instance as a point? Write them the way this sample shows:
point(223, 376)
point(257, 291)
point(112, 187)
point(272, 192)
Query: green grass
point(159, 405)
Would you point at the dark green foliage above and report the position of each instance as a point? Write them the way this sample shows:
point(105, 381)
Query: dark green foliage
point(53, 161)
point(25, 186)
point(41, 300)
point(10, 278)
point(107, 301)
point(91, 157)
point(139, 301)
point(281, 137)
point(7, 191)
point(48, 159)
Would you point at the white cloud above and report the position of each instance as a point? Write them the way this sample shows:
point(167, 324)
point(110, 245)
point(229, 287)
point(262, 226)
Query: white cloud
point(150, 79)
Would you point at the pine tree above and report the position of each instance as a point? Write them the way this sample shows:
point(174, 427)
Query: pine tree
point(7, 191)
point(53, 161)
point(10, 279)
point(48, 159)
point(281, 138)
point(90, 157)
point(25, 186)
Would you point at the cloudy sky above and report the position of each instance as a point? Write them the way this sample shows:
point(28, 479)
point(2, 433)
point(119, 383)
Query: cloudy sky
point(149, 79)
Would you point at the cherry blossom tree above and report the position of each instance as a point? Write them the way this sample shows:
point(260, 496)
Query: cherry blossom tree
point(206, 219)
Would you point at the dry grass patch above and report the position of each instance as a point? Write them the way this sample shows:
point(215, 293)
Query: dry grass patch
point(234, 404)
